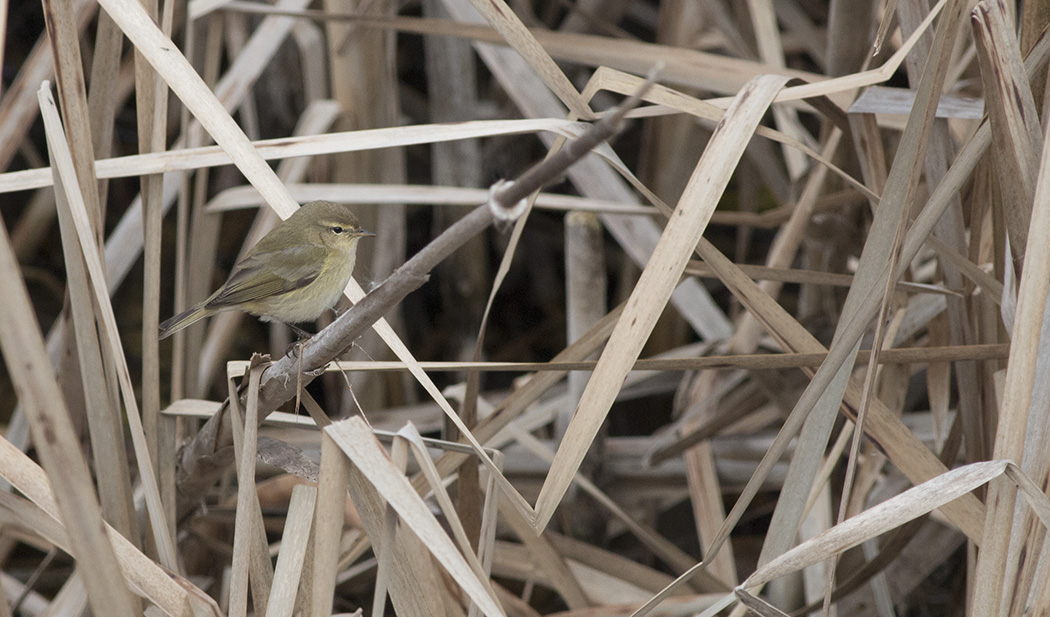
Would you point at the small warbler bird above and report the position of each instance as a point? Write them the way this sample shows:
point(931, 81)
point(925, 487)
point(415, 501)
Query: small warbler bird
point(293, 274)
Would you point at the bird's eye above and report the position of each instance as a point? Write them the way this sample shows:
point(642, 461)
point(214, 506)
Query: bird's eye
point(337, 230)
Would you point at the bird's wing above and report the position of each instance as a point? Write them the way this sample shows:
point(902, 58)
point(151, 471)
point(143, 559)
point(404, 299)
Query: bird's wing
point(269, 273)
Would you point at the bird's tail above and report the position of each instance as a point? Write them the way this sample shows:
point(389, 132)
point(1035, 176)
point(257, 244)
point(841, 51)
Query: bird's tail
point(183, 319)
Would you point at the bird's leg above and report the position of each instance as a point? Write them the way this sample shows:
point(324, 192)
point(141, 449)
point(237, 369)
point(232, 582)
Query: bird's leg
point(337, 311)
point(297, 352)
point(299, 377)
point(303, 334)
point(296, 348)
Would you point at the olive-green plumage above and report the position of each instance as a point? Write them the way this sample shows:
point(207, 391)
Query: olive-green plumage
point(293, 274)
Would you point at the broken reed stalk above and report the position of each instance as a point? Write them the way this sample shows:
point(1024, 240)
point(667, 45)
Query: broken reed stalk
point(210, 452)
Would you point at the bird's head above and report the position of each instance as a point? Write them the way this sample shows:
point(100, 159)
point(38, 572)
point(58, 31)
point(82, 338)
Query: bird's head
point(335, 225)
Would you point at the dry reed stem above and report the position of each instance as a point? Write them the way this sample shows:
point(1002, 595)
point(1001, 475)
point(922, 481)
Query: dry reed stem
point(293, 552)
point(328, 523)
point(355, 440)
point(103, 420)
point(829, 384)
point(56, 441)
point(507, 24)
point(907, 453)
point(328, 143)
point(900, 509)
point(1009, 441)
point(654, 287)
point(247, 528)
point(167, 590)
point(1017, 137)
point(88, 249)
point(152, 115)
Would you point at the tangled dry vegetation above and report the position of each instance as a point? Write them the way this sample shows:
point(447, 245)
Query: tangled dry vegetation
point(774, 347)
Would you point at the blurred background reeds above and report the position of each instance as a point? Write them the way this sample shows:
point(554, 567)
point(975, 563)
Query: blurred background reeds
point(775, 346)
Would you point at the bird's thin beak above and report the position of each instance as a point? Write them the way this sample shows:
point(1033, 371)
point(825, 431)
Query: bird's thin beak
point(365, 233)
